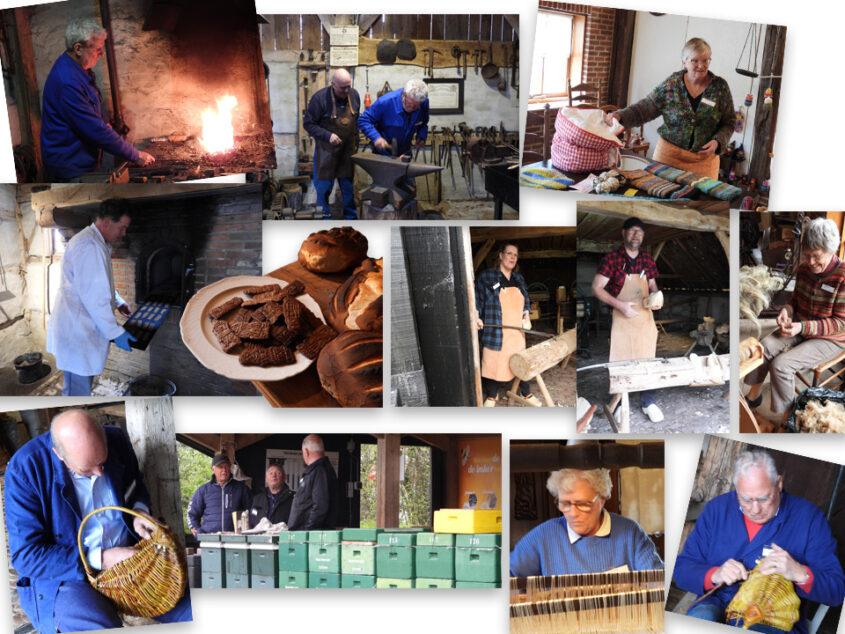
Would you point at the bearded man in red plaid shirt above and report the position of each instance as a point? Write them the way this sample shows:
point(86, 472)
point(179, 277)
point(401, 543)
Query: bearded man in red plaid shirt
point(623, 279)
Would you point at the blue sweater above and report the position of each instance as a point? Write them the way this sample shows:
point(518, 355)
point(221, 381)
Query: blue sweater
point(386, 118)
point(799, 528)
point(546, 550)
point(211, 506)
point(74, 124)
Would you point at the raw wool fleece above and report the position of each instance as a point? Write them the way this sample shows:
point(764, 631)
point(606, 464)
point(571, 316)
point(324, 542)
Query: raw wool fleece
point(757, 285)
point(827, 418)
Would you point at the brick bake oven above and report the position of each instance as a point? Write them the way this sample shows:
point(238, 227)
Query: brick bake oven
point(182, 80)
point(181, 238)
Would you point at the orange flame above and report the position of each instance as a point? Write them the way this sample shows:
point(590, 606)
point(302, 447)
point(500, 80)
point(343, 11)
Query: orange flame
point(217, 132)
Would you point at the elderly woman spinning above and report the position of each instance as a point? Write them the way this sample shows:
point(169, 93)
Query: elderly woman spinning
point(811, 325)
point(698, 114)
point(587, 538)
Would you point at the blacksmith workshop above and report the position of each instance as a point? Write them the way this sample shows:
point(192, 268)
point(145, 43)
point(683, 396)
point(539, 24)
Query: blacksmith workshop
point(180, 92)
point(791, 330)
point(652, 105)
point(393, 116)
point(137, 254)
point(653, 317)
point(483, 316)
point(351, 510)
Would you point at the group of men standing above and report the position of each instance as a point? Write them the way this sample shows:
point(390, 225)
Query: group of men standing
point(313, 506)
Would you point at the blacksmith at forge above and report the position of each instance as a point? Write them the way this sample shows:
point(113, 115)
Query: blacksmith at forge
point(332, 119)
point(624, 278)
point(74, 125)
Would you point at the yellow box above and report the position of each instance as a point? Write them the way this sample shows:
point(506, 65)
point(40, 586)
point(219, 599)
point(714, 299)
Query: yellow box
point(465, 521)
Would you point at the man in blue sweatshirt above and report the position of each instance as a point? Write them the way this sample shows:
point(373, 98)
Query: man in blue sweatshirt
point(587, 538)
point(74, 125)
point(398, 115)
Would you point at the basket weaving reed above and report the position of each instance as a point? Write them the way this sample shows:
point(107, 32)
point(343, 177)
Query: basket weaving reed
point(766, 600)
point(150, 582)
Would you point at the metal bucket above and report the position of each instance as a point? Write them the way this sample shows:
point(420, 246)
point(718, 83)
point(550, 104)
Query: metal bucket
point(150, 385)
point(30, 368)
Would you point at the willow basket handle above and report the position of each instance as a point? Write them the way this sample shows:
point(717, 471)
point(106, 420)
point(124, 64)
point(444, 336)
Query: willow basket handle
point(88, 570)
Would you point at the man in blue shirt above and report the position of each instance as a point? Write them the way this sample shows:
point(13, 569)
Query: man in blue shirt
point(74, 124)
point(51, 483)
point(397, 115)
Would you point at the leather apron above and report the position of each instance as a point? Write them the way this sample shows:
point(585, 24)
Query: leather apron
point(495, 364)
point(633, 338)
point(334, 161)
point(683, 159)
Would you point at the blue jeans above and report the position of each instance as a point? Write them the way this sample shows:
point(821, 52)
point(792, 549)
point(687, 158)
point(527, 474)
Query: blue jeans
point(710, 612)
point(76, 384)
point(79, 608)
point(324, 190)
point(646, 398)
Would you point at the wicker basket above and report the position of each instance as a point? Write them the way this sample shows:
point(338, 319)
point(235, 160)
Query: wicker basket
point(764, 599)
point(150, 582)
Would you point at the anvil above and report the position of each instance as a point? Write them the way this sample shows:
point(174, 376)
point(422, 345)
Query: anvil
point(392, 178)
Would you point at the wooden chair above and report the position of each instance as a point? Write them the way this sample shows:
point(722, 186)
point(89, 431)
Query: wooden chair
point(588, 95)
point(821, 368)
point(544, 139)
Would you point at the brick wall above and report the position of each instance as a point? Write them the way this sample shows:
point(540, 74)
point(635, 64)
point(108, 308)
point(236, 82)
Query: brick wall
point(223, 233)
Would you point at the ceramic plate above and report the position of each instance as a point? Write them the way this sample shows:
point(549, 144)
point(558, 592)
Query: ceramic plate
point(633, 162)
point(196, 327)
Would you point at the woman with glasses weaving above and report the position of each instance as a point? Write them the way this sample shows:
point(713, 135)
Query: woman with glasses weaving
point(698, 114)
point(587, 538)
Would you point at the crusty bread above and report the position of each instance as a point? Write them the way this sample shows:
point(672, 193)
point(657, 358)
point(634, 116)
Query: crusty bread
point(333, 250)
point(350, 368)
point(357, 303)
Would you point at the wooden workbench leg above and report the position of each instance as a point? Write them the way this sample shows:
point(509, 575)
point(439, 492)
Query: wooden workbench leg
point(514, 390)
point(625, 415)
point(545, 392)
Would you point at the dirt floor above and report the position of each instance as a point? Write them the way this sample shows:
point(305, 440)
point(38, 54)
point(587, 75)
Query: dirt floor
point(559, 380)
point(688, 410)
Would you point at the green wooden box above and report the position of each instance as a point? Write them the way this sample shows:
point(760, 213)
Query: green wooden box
point(264, 581)
point(387, 582)
point(478, 557)
point(476, 584)
point(296, 537)
point(293, 579)
point(422, 582)
point(323, 580)
point(435, 556)
point(395, 555)
point(358, 559)
point(211, 557)
point(293, 551)
point(324, 557)
point(236, 558)
point(234, 580)
point(264, 559)
point(213, 580)
point(357, 581)
point(361, 534)
point(324, 537)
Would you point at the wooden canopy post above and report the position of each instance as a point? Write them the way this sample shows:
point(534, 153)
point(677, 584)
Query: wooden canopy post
point(765, 119)
point(387, 480)
point(149, 423)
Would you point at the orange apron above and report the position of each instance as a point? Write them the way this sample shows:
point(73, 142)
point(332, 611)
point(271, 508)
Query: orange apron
point(672, 155)
point(495, 364)
point(633, 338)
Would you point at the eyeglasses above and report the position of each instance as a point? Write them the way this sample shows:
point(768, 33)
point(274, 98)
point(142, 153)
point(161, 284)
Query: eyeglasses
point(706, 61)
point(748, 501)
point(584, 507)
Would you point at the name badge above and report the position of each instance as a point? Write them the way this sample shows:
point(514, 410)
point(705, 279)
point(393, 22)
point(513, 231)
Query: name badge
point(828, 288)
point(708, 102)
point(496, 285)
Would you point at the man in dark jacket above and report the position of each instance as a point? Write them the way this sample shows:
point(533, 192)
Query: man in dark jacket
point(275, 500)
point(332, 119)
point(50, 484)
point(212, 504)
point(74, 124)
point(315, 503)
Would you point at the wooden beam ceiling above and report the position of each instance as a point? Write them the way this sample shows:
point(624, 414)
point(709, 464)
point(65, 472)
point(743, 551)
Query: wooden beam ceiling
point(661, 214)
point(480, 234)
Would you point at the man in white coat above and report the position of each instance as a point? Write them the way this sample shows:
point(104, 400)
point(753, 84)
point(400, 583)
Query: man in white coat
point(83, 321)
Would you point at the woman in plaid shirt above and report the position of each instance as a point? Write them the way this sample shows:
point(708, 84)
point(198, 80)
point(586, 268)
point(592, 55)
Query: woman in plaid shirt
point(501, 299)
point(811, 326)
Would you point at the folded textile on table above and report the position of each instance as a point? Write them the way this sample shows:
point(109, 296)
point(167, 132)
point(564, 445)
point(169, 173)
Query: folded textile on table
point(544, 177)
point(710, 186)
point(656, 186)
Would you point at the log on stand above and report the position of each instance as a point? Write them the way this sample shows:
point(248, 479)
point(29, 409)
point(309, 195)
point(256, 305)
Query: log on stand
point(532, 362)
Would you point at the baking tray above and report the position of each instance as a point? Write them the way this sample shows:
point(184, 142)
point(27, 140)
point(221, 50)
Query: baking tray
point(198, 336)
point(146, 320)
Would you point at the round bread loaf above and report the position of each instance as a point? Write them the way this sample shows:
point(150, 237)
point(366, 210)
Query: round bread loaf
point(350, 368)
point(357, 303)
point(333, 250)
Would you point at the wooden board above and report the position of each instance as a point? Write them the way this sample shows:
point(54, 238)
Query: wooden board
point(657, 374)
point(304, 389)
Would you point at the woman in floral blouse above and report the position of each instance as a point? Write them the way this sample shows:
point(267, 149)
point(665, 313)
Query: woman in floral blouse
point(698, 114)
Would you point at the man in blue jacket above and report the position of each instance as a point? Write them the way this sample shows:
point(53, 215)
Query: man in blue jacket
point(212, 504)
point(74, 124)
point(759, 523)
point(51, 483)
point(397, 115)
